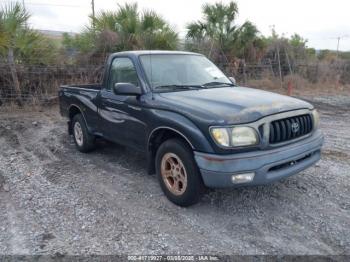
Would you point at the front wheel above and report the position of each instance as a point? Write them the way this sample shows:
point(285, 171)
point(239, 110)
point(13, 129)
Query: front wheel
point(178, 173)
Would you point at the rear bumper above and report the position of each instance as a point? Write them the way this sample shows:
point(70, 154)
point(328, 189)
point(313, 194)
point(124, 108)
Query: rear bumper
point(268, 165)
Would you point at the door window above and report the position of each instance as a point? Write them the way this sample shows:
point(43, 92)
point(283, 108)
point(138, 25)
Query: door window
point(123, 71)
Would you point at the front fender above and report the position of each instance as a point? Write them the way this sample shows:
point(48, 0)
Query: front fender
point(183, 126)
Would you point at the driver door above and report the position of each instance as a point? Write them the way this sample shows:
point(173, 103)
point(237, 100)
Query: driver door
point(121, 115)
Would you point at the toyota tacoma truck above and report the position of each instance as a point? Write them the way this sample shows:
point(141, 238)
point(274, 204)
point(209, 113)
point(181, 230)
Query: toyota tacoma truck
point(197, 128)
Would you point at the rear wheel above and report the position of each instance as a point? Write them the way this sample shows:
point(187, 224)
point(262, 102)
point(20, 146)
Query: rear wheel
point(178, 173)
point(82, 139)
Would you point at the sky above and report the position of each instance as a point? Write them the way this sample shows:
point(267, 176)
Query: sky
point(319, 21)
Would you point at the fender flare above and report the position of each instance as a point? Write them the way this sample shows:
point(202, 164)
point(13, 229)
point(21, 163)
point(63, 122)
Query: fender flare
point(183, 126)
point(81, 112)
point(168, 128)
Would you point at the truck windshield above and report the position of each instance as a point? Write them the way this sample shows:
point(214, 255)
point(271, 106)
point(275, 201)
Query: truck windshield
point(182, 71)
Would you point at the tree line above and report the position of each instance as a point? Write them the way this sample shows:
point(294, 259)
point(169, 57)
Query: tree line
point(217, 35)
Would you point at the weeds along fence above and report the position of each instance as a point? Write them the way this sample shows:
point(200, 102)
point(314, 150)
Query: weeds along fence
point(313, 73)
point(39, 84)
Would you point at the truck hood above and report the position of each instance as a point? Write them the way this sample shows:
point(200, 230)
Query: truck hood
point(230, 105)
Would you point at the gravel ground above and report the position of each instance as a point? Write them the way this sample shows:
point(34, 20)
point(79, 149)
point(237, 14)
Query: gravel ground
point(56, 200)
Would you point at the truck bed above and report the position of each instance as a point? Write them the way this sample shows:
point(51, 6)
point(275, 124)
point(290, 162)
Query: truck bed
point(82, 95)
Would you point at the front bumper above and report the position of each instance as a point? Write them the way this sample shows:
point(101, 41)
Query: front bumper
point(268, 165)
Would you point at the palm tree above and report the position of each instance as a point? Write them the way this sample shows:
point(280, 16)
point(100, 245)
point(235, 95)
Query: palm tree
point(249, 44)
point(155, 33)
point(218, 28)
point(129, 29)
point(13, 19)
point(127, 26)
point(20, 44)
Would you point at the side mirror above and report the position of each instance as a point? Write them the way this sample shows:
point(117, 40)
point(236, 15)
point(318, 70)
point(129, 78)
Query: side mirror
point(127, 89)
point(233, 80)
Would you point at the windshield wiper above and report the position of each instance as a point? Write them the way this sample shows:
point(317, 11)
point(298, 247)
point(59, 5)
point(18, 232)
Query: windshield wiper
point(193, 87)
point(216, 83)
point(183, 87)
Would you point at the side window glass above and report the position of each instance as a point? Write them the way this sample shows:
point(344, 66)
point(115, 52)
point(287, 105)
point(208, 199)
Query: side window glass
point(123, 71)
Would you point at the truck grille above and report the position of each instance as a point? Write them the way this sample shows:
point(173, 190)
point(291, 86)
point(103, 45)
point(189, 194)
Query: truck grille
point(290, 128)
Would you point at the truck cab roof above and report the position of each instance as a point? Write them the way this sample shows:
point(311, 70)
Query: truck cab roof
point(152, 52)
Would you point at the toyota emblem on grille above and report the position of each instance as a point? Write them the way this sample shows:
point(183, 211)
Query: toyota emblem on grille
point(295, 127)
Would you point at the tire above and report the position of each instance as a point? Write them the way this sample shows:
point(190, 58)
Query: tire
point(82, 139)
point(171, 155)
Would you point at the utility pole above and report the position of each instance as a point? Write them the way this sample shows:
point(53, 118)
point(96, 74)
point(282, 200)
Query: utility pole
point(338, 46)
point(93, 12)
point(338, 42)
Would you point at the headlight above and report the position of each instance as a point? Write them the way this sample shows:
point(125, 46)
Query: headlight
point(244, 136)
point(221, 136)
point(234, 137)
point(316, 118)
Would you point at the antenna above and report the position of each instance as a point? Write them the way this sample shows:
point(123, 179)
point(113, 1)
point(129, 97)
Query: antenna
point(151, 80)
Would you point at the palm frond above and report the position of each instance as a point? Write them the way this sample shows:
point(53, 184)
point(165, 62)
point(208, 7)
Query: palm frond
point(151, 21)
point(13, 17)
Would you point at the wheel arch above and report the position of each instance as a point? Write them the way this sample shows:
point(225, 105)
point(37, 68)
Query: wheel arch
point(157, 137)
point(73, 110)
point(165, 131)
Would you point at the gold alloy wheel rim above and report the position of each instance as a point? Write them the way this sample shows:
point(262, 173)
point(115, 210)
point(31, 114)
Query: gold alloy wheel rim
point(174, 174)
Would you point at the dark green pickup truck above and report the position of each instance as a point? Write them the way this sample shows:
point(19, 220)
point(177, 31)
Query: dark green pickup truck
point(196, 126)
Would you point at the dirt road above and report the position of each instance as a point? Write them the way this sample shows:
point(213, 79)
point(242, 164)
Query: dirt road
point(55, 200)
